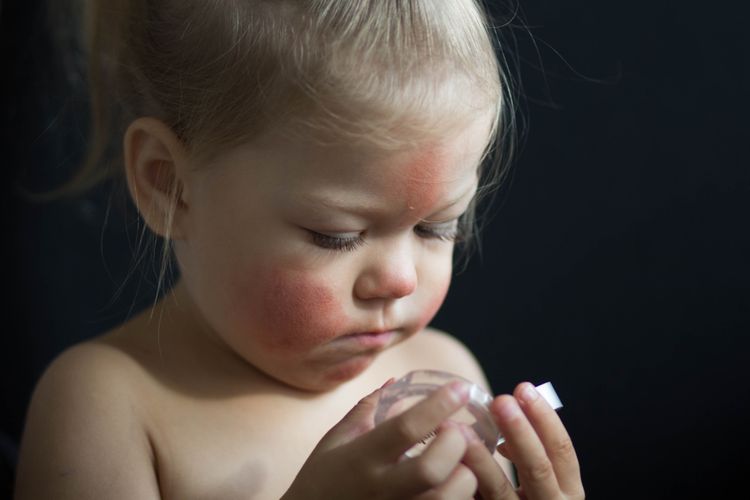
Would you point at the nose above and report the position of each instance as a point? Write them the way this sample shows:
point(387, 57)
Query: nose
point(389, 273)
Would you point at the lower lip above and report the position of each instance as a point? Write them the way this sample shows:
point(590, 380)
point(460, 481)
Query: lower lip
point(370, 340)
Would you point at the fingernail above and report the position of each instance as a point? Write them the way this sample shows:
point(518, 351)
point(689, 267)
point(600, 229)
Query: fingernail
point(388, 382)
point(459, 391)
point(510, 410)
point(528, 393)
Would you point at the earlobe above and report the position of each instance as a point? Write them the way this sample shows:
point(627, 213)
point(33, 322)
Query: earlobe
point(155, 163)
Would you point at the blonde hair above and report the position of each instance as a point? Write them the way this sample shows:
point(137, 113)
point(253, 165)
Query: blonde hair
point(221, 72)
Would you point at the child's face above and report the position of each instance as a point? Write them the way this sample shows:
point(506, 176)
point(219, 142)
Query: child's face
point(307, 261)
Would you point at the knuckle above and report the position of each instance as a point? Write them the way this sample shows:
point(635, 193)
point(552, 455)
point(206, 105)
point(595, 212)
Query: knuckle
point(563, 449)
point(540, 471)
point(500, 490)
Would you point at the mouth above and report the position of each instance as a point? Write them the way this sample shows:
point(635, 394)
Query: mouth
point(370, 340)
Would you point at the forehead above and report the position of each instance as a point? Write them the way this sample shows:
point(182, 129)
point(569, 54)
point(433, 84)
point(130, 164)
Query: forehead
point(416, 180)
point(424, 174)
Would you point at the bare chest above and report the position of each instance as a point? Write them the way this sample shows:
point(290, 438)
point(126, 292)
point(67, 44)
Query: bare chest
point(212, 445)
point(245, 449)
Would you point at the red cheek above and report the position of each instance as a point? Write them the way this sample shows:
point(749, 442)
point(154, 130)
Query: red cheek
point(435, 301)
point(298, 312)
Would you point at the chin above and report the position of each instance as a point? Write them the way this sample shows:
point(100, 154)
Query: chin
point(330, 377)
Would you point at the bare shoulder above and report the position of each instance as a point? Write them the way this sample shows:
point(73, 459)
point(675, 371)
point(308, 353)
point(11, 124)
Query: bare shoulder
point(94, 372)
point(84, 436)
point(437, 350)
point(88, 362)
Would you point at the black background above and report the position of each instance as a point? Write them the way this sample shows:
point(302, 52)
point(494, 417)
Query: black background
point(615, 263)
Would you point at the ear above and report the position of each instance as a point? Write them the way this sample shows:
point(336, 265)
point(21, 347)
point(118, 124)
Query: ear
point(156, 162)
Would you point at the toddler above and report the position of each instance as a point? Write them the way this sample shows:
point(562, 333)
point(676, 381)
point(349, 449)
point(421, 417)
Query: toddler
point(309, 165)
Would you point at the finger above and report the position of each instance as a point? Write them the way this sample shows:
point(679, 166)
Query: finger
point(358, 421)
point(525, 449)
point(554, 438)
point(396, 435)
point(461, 484)
point(434, 465)
point(492, 482)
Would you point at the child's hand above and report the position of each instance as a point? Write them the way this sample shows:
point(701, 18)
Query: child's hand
point(536, 442)
point(353, 460)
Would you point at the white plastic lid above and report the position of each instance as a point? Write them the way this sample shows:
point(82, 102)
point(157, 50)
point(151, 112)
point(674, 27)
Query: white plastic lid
point(550, 396)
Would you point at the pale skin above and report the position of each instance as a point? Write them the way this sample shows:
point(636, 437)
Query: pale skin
point(309, 275)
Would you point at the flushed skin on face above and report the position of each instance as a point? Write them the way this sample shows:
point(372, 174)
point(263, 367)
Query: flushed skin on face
point(298, 303)
point(307, 261)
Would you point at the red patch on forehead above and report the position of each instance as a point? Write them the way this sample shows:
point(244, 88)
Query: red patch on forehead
point(427, 177)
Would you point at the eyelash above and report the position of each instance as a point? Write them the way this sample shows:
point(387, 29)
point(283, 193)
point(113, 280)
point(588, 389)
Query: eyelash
point(336, 243)
point(452, 233)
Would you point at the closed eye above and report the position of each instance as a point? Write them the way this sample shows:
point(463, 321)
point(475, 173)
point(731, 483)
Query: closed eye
point(342, 243)
point(444, 231)
point(347, 242)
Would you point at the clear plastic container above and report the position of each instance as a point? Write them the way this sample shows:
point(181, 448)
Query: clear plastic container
point(417, 385)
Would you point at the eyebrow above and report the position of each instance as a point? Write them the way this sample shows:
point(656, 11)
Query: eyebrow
point(453, 204)
point(338, 204)
point(360, 209)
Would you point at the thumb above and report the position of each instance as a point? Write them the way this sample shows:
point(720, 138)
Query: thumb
point(358, 421)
